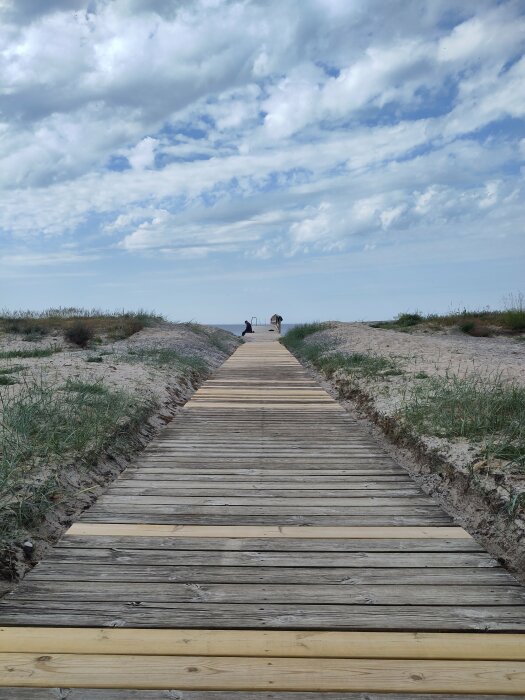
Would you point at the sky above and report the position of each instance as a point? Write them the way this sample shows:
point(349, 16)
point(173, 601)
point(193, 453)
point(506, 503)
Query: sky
point(220, 159)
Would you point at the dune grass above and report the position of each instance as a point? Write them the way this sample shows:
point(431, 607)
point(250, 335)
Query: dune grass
point(168, 358)
point(212, 335)
point(478, 323)
point(46, 427)
point(489, 412)
point(89, 323)
point(472, 408)
point(324, 359)
point(21, 354)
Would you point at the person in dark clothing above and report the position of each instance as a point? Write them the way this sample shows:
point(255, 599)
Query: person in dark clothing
point(276, 321)
point(248, 328)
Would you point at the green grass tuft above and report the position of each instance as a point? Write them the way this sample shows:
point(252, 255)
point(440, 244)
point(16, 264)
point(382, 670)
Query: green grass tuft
point(329, 362)
point(471, 408)
point(11, 369)
point(44, 428)
point(169, 358)
point(6, 380)
point(37, 352)
point(86, 387)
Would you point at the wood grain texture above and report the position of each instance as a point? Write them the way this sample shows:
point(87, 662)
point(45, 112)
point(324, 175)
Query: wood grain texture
point(273, 532)
point(264, 544)
point(256, 673)
point(265, 643)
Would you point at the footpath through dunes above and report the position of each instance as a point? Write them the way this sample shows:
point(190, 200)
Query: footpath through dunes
point(264, 547)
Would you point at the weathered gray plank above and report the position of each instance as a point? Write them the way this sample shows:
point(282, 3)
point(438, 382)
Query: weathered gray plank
point(119, 498)
point(113, 694)
point(173, 510)
point(266, 616)
point(414, 560)
point(305, 594)
point(218, 518)
point(284, 574)
point(287, 544)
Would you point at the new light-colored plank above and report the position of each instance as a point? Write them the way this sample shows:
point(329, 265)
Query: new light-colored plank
point(264, 643)
point(227, 673)
point(265, 531)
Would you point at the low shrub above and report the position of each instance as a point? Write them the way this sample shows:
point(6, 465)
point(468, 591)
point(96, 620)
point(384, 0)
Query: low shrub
point(475, 329)
point(79, 333)
point(514, 319)
point(413, 319)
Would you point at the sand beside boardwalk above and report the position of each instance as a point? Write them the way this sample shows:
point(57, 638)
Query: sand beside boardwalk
point(435, 353)
point(132, 365)
point(487, 496)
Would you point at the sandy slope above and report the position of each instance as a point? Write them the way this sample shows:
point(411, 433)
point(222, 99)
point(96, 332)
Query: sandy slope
point(436, 353)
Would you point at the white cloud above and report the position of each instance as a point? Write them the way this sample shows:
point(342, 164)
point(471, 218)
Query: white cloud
point(256, 128)
point(143, 154)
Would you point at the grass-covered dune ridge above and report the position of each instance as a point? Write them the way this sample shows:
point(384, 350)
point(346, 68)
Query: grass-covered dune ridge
point(486, 409)
point(93, 322)
point(71, 417)
point(478, 323)
point(457, 402)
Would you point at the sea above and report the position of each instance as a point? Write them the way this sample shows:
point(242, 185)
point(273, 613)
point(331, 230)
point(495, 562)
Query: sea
point(237, 328)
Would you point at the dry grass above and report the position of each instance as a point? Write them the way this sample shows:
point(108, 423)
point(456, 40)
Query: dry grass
point(115, 325)
point(477, 323)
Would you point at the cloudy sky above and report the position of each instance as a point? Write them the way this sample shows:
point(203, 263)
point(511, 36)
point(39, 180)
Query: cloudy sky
point(217, 159)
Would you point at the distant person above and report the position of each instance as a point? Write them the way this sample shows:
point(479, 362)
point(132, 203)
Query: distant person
point(276, 320)
point(248, 328)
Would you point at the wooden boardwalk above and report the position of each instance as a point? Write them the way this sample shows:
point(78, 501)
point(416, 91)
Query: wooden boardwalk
point(266, 547)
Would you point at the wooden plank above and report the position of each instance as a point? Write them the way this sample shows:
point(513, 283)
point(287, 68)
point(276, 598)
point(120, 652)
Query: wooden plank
point(179, 694)
point(272, 544)
point(413, 560)
point(246, 510)
point(267, 616)
point(263, 531)
point(300, 594)
point(265, 643)
point(219, 518)
point(255, 673)
point(285, 574)
point(204, 489)
point(247, 501)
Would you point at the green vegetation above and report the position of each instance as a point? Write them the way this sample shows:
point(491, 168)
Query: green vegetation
point(294, 338)
point(79, 333)
point(488, 412)
point(168, 358)
point(5, 380)
point(472, 408)
point(214, 336)
point(44, 428)
point(328, 362)
point(37, 352)
point(115, 325)
point(480, 324)
point(11, 369)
